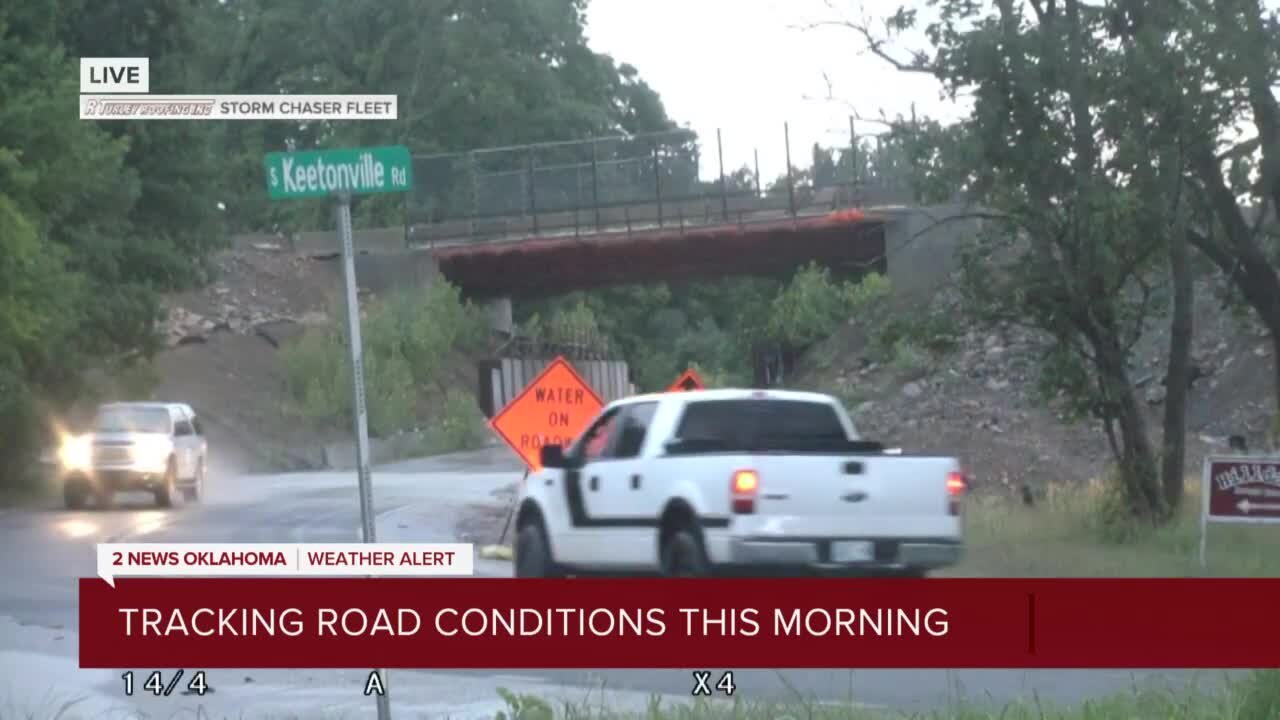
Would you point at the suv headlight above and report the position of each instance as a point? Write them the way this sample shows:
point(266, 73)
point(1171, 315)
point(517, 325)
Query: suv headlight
point(76, 453)
point(152, 450)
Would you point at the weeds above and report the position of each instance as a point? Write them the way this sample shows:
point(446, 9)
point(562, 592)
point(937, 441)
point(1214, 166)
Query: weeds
point(1081, 531)
point(408, 340)
point(1253, 697)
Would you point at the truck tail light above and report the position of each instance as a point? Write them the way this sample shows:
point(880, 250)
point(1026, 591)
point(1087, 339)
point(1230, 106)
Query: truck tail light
point(743, 489)
point(956, 486)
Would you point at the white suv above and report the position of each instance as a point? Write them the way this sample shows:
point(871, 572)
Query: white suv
point(148, 446)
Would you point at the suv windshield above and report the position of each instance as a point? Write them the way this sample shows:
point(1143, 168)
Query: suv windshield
point(762, 425)
point(127, 419)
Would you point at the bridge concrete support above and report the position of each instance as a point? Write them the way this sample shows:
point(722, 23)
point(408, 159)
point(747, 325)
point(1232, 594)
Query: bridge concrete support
point(922, 247)
point(500, 317)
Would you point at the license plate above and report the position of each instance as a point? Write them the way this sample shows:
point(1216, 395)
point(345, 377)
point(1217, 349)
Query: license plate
point(112, 454)
point(852, 551)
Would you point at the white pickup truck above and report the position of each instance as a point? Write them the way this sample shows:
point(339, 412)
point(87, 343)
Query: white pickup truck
point(724, 481)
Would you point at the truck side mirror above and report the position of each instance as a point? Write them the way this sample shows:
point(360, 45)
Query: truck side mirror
point(552, 456)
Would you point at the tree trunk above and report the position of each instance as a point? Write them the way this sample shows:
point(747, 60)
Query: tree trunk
point(1173, 460)
point(1137, 457)
point(1275, 371)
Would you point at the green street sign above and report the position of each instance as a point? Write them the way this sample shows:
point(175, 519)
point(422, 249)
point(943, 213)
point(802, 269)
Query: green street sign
point(323, 173)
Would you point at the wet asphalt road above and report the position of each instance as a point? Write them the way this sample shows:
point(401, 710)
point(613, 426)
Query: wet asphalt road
point(47, 549)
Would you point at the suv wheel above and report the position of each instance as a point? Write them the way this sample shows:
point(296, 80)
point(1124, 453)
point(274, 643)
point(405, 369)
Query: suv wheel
point(74, 494)
point(196, 491)
point(164, 496)
point(683, 555)
point(533, 552)
point(102, 497)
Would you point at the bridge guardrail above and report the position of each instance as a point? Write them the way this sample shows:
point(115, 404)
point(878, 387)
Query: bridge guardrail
point(620, 184)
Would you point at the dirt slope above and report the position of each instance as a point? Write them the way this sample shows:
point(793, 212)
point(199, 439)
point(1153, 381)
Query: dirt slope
point(223, 356)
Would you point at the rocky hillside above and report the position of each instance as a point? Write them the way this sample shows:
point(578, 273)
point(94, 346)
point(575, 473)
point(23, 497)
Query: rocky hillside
point(222, 356)
point(979, 401)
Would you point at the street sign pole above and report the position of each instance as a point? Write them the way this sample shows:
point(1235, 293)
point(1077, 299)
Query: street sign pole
point(356, 347)
point(340, 173)
point(368, 533)
point(1207, 477)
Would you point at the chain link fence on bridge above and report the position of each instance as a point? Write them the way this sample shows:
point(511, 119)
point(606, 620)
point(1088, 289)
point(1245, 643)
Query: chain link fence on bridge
point(672, 179)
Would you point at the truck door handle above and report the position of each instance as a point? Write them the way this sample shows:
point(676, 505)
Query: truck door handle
point(595, 482)
point(853, 467)
point(635, 482)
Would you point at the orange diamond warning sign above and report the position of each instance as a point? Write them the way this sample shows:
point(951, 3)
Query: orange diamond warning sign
point(552, 410)
point(688, 381)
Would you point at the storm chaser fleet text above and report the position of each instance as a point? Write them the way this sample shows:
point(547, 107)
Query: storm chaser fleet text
point(527, 622)
point(229, 108)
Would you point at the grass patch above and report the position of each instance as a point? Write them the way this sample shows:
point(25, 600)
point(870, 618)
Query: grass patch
point(1253, 697)
point(1065, 535)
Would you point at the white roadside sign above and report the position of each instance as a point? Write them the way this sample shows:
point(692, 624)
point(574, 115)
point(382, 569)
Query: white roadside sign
point(1239, 489)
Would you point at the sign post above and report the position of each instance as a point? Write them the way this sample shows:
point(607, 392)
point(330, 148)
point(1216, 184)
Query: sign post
point(553, 409)
point(1239, 489)
point(355, 345)
point(340, 174)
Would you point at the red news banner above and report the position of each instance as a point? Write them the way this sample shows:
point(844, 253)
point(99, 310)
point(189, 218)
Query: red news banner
point(678, 623)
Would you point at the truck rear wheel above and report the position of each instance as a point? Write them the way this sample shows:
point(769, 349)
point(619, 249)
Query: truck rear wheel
point(683, 555)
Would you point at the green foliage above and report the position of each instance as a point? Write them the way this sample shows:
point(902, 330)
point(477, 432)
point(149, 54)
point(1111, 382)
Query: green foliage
point(653, 327)
point(909, 360)
point(572, 325)
point(409, 339)
point(96, 219)
point(712, 326)
point(524, 707)
point(810, 307)
point(461, 425)
point(423, 326)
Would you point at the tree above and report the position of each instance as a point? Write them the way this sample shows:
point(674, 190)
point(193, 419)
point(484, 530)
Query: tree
point(98, 219)
point(174, 221)
point(65, 196)
point(1078, 235)
point(1150, 156)
point(824, 167)
point(1230, 58)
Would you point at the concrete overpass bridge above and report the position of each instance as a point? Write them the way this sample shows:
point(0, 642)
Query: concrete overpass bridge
point(537, 220)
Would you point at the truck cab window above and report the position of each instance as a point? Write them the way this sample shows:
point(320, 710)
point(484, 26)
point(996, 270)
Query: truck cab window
point(633, 428)
point(753, 425)
point(595, 440)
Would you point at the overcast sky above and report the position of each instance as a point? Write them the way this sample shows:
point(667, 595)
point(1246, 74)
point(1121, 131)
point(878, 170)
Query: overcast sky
point(748, 66)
